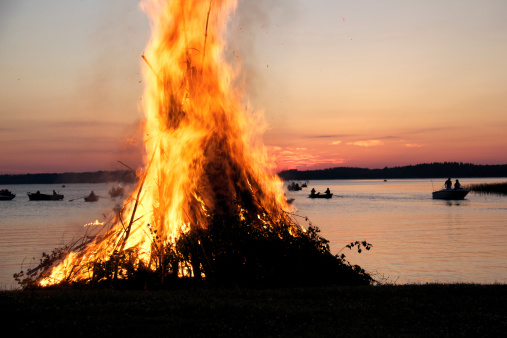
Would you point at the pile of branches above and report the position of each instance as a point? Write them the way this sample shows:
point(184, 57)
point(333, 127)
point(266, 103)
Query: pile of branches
point(233, 251)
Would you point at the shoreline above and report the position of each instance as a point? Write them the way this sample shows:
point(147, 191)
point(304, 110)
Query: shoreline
point(382, 310)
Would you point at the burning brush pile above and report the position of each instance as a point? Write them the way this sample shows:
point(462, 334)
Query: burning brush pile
point(207, 208)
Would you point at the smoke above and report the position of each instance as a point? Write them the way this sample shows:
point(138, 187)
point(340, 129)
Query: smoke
point(251, 25)
point(110, 79)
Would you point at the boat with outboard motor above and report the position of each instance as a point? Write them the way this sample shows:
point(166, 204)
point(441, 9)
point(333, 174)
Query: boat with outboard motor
point(44, 197)
point(6, 195)
point(326, 194)
point(293, 186)
point(450, 194)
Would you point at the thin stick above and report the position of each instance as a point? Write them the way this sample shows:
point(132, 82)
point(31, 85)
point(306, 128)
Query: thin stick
point(185, 36)
point(205, 37)
point(127, 232)
point(125, 164)
point(153, 70)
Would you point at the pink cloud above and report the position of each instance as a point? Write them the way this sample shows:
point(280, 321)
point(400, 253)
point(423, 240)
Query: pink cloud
point(301, 158)
point(368, 143)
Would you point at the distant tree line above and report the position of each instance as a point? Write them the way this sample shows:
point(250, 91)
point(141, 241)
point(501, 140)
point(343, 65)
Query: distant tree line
point(124, 176)
point(425, 170)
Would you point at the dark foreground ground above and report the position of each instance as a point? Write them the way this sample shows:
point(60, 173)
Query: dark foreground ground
point(407, 310)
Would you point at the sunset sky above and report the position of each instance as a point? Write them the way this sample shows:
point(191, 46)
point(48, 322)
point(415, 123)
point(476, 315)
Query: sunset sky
point(341, 82)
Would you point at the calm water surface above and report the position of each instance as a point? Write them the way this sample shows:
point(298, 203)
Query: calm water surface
point(415, 238)
point(29, 228)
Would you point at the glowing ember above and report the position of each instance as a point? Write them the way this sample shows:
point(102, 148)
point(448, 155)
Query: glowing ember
point(203, 154)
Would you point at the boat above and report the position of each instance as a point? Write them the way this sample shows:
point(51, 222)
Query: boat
point(326, 194)
point(116, 192)
point(44, 197)
point(6, 195)
point(450, 194)
point(319, 195)
point(293, 186)
point(91, 198)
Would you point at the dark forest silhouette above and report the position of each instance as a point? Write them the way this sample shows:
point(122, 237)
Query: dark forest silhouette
point(425, 170)
point(124, 176)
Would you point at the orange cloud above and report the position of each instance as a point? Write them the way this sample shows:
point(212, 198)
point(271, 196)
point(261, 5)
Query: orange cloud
point(301, 158)
point(369, 143)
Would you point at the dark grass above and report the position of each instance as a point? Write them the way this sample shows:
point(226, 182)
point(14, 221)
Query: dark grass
point(388, 310)
point(489, 188)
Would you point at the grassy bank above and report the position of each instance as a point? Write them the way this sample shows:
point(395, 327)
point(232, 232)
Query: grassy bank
point(489, 188)
point(406, 310)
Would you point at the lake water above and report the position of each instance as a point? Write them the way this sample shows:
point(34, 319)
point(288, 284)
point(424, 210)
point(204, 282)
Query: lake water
point(415, 239)
point(29, 228)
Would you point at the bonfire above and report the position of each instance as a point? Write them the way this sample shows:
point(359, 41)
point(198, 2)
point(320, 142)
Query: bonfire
point(208, 206)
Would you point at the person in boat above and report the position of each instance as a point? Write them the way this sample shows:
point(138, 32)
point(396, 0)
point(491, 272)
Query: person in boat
point(448, 183)
point(313, 191)
point(54, 193)
point(457, 185)
point(38, 192)
point(328, 192)
point(92, 194)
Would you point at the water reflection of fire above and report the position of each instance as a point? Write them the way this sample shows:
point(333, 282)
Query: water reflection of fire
point(96, 223)
point(203, 155)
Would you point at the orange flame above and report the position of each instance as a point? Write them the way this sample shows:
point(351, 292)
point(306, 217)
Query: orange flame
point(203, 151)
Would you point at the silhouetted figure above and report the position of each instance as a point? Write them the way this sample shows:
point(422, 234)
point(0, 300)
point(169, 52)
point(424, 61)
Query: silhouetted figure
point(54, 192)
point(313, 191)
point(328, 192)
point(457, 185)
point(448, 183)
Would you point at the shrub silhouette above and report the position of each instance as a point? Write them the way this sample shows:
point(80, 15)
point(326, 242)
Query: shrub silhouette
point(234, 251)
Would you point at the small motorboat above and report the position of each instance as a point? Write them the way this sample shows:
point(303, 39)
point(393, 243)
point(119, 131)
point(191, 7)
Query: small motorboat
point(44, 197)
point(293, 186)
point(326, 194)
point(91, 198)
point(6, 195)
point(450, 194)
